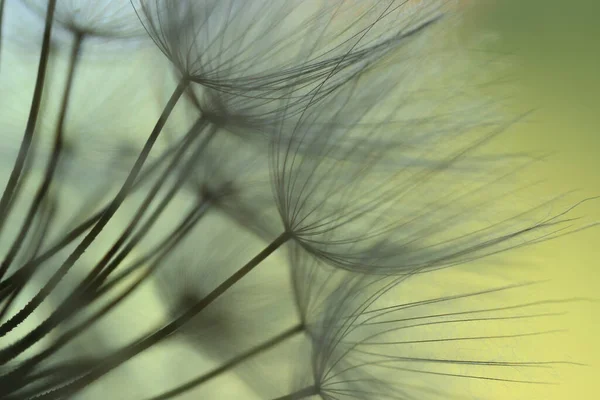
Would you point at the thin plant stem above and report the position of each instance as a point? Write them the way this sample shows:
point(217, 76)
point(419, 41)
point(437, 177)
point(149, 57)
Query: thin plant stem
point(99, 194)
point(20, 376)
point(46, 218)
point(300, 394)
point(121, 356)
point(25, 271)
point(289, 333)
point(100, 273)
point(8, 353)
point(49, 378)
point(13, 180)
point(52, 163)
point(73, 303)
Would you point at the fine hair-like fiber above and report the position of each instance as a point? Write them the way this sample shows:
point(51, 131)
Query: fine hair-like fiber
point(260, 199)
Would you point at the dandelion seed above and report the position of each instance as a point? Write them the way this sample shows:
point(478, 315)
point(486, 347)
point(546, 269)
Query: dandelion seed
point(110, 24)
point(254, 60)
point(382, 209)
point(368, 343)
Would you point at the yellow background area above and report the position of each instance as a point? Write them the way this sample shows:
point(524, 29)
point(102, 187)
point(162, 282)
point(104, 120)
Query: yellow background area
point(556, 67)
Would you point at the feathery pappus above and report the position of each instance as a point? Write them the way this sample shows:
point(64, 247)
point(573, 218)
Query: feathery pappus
point(269, 228)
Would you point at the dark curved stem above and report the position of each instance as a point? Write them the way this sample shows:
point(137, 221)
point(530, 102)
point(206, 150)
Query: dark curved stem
point(47, 379)
point(25, 271)
point(19, 377)
point(9, 191)
point(45, 220)
point(121, 356)
point(52, 163)
point(231, 364)
point(300, 394)
point(8, 353)
point(75, 301)
point(100, 273)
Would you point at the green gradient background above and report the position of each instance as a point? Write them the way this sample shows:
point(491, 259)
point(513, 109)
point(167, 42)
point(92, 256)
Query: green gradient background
point(557, 49)
point(553, 45)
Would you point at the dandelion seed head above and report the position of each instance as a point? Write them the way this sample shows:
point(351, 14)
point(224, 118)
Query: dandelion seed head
point(105, 22)
point(383, 338)
point(257, 59)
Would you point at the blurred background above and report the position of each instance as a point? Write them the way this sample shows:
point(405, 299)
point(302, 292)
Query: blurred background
point(553, 47)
